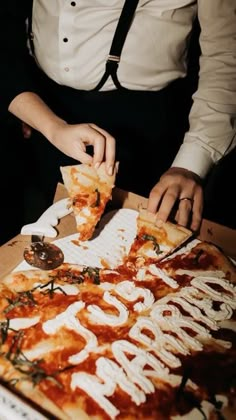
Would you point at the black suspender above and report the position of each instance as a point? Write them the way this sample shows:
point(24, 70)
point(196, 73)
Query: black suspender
point(118, 41)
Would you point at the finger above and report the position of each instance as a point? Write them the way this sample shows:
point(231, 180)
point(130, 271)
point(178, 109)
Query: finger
point(84, 157)
point(79, 153)
point(110, 154)
point(184, 211)
point(154, 199)
point(98, 141)
point(110, 149)
point(167, 204)
point(177, 216)
point(197, 209)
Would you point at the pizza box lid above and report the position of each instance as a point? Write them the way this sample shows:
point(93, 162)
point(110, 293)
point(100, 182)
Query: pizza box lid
point(11, 253)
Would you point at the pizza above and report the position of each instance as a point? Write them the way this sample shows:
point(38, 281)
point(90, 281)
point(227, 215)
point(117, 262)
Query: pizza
point(89, 189)
point(155, 341)
point(152, 242)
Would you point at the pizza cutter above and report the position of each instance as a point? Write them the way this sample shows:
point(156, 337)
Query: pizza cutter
point(40, 254)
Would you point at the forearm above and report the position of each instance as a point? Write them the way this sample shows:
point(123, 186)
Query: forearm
point(30, 108)
point(212, 135)
point(212, 132)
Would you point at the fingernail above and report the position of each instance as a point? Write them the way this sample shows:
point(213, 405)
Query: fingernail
point(110, 170)
point(159, 223)
point(97, 164)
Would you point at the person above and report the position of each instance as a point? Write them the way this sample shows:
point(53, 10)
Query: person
point(111, 80)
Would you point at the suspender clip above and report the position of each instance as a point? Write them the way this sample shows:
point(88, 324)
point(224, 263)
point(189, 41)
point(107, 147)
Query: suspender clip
point(114, 58)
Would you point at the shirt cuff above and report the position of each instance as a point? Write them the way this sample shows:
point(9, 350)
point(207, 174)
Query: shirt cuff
point(194, 158)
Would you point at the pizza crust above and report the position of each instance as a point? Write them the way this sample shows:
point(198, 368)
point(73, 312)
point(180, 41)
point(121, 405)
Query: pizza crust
point(173, 234)
point(29, 391)
point(25, 280)
point(156, 242)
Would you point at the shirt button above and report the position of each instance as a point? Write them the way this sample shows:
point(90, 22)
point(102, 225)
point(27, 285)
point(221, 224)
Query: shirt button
point(67, 69)
point(73, 3)
point(65, 39)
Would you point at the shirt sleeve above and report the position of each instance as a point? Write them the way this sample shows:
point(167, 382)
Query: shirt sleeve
point(16, 62)
point(212, 120)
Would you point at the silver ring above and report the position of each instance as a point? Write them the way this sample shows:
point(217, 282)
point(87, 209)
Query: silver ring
point(186, 198)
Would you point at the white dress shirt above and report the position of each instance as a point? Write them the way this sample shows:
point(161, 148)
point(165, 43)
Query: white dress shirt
point(72, 40)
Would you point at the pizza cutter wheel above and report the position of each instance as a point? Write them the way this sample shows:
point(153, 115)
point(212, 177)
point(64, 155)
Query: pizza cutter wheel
point(43, 255)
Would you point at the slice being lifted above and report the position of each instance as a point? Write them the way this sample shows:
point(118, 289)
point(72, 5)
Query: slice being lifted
point(153, 243)
point(89, 189)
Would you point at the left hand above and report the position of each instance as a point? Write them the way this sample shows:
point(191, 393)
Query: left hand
point(174, 186)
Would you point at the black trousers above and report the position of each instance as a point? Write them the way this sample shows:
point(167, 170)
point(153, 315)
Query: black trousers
point(148, 127)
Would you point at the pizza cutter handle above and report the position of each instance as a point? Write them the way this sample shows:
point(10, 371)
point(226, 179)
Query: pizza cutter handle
point(44, 225)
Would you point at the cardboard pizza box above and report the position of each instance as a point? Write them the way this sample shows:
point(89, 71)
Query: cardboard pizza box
point(11, 253)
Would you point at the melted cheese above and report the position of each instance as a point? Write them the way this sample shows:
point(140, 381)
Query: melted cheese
point(181, 299)
point(159, 344)
point(68, 319)
point(83, 216)
point(155, 271)
point(23, 323)
point(136, 369)
point(98, 316)
point(130, 292)
point(228, 294)
point(41, 349)
point(108, 375)
point(202, 301)
point(177, 323)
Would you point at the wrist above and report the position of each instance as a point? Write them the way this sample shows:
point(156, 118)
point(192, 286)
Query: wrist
point(51, 129)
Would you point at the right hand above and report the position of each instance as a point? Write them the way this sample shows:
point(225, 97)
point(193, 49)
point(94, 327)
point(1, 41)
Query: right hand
point(173, 186)
point(73, 139)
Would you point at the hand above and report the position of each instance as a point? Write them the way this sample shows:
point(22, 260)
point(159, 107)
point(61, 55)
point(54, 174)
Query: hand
point(175, 185)
point(73, 139)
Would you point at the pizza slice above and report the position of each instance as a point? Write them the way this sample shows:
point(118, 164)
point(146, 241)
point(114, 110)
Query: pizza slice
point(153, 243)
point(89, 189)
